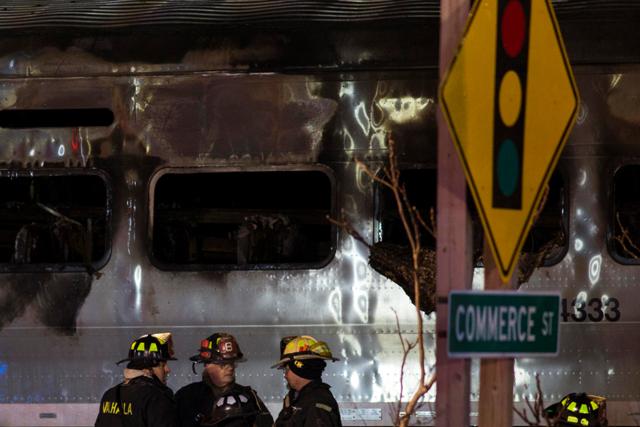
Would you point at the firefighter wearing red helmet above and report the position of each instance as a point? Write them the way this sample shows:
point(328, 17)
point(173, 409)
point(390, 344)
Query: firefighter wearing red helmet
point(218, 400)
point(142, 399)
point(309, 401)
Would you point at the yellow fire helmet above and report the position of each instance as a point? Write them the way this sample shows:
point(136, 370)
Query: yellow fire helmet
point(150, 349)
point(580, 410)
point(301, 348)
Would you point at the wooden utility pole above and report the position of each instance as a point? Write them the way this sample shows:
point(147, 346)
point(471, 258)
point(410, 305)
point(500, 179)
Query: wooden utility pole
point(504, 38)
point(496, 375)
point(454, 267)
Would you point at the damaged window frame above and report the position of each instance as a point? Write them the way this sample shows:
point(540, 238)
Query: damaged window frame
point(558, 256)
point(478, 232)
point(612, 229)
point(379, 208)
point(71, 267)
point(325, 170)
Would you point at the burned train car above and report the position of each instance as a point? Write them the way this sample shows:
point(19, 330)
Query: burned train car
point(171, 167)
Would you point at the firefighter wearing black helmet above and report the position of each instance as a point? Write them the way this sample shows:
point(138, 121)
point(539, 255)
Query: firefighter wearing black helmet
point(579, 410)
point(309, 401)
point(218, 400)
point(142, 399)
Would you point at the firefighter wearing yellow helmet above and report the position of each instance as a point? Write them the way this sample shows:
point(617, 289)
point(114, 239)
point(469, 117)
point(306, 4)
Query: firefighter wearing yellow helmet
point(309, 400)
point(143, 398)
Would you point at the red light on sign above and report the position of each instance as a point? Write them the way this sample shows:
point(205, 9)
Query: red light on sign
point(513, 28)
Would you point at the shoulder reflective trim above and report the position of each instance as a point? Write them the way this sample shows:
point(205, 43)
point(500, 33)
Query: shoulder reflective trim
point(323, 406)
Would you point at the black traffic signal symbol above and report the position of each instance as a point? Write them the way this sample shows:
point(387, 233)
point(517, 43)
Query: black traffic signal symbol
point(512, 52)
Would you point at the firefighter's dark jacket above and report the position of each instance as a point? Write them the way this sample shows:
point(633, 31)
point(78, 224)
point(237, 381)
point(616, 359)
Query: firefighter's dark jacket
point(140, 402)
point(313, 406)
point(195, 403)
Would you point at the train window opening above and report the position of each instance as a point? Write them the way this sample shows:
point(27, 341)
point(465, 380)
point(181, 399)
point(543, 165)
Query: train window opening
point(547, 241)
point(53, 221)
point(420, 185)
point(421, 188)
point(56, 118)
point(548, 233)
point(240, 220)
point(624, 242)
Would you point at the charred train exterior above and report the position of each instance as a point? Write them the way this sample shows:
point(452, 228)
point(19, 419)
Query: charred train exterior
point(125, 224)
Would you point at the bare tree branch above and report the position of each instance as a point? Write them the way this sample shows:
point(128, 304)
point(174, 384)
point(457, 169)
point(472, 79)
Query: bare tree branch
point(429, 229)
point(406, 349)
point(412, 222)
point(411, 230)
point(536, 409)
point(625, 237)
point(346, 226)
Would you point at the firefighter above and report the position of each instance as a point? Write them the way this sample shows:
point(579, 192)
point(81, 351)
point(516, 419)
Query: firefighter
point(580, 410)
point(217, 399)
point(143, 398)
point(309, 401)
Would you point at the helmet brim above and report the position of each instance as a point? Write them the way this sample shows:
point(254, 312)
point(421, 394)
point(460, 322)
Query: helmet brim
point(199, 359)
point(131, 360)
point(280, 363)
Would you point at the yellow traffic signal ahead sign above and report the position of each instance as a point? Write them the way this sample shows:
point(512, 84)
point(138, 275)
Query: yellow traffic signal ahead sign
point(510, 101)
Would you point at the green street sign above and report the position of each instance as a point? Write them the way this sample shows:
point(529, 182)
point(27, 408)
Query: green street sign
point(503, 324)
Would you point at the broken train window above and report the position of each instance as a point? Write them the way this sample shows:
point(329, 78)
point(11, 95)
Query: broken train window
point(57, 220)
point(420, 185)
point(548, 236)
point(241, 219)
point(624, 241)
